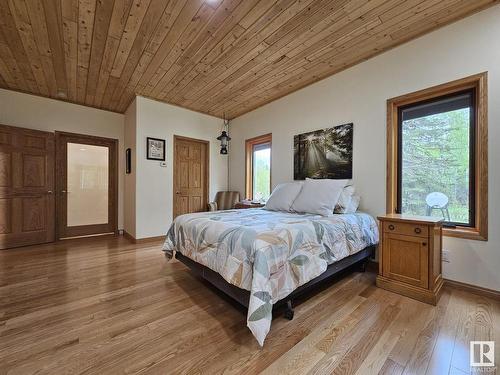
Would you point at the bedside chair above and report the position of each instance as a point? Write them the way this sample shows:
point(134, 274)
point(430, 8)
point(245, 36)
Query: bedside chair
point(224, 200)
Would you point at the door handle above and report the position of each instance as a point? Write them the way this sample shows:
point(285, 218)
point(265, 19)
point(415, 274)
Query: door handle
point(49, 191)
point(177, 192)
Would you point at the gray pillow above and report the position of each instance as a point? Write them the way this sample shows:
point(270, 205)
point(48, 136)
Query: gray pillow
point(353, 205)
point(344, 199)
point(319, 196)
point(283, 196)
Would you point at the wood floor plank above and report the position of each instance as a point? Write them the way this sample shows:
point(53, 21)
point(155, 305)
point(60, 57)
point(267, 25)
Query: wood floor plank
point(391, 368)
point(303, 356)
point(362, 325)
point(419, 361)
point(440, 361)
point(106, 306)
point(465, 334)
point(375, 361)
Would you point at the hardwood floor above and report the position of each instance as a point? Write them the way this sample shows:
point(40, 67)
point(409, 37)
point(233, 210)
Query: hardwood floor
point(106, 306)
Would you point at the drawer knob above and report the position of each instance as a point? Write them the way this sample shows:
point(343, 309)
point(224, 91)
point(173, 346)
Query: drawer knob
point(418, 230)
point(424, 243)
point(391, 227)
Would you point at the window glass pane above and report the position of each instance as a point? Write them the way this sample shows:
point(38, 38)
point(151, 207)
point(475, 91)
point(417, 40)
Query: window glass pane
point(435, 153)
point(261, 171)
point(87, 184)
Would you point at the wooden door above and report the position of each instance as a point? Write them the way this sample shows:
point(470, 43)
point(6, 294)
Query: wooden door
point(405, 258)
point(27, 214)
point(87, 185)
point(190, 175)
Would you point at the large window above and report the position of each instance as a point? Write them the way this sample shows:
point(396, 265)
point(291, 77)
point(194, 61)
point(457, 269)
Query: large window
point(258, 167)
point(436, 163)
point(437, 156)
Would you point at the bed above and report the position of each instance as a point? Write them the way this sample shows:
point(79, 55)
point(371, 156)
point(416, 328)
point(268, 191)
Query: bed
point(261, 257)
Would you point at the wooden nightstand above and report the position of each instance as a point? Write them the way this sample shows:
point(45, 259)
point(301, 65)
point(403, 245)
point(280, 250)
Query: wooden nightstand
point(410, 256)
point(242, 205)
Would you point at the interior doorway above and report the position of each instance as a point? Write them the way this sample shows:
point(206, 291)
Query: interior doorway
point(86, 185)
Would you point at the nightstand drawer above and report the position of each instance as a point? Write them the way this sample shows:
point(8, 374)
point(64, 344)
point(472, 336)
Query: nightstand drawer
point(407, 229)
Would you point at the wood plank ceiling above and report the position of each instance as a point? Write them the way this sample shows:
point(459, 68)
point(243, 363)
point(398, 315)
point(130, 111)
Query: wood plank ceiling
point(212, 56)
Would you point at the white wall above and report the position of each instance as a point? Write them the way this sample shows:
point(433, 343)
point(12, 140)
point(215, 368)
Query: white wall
point(154, 184)
point(145, 196)
point(34, 112)
point(130, 123)
point(359, 95)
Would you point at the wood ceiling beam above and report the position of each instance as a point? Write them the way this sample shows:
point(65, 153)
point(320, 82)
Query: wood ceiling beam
point(245, 48)
point(290, 53)
point(141, 40)
point(213, 57)
point(14, 43)
point(119, 17)
point(378, 44)
point(102, 21)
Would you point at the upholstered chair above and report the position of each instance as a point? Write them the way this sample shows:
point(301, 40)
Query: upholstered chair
point(224, 200)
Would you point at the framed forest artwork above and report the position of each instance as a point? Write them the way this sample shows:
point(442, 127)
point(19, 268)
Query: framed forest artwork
point(325, 153)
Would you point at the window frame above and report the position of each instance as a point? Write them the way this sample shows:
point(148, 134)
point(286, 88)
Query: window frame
point(249, 145)
point(479, 151)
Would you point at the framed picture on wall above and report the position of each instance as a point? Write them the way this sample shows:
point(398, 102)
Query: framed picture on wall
point(325, 153)
point(155, 149)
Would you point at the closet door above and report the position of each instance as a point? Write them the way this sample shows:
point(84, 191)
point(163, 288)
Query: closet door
point(27, 213)
point(190, 175)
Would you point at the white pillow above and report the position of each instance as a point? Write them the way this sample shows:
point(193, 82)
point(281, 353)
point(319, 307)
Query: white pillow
point(344, 199)
point(319, 196)
point(283, 196)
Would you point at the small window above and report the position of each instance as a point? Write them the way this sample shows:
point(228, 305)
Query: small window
point(258, 173)
point(437, 156)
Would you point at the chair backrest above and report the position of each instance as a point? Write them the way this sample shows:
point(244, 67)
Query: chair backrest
point(227, 199)
point(436, 200)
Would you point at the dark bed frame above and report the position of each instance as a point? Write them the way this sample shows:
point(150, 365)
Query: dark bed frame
point(242, 296)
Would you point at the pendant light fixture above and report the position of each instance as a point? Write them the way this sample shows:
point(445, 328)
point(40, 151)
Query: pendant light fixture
point(224, 138)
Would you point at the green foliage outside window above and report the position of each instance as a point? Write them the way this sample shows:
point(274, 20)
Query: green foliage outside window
point(261, 174)
point(435, 158)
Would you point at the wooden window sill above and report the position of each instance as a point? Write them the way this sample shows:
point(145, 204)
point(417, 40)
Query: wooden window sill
point(465, 233)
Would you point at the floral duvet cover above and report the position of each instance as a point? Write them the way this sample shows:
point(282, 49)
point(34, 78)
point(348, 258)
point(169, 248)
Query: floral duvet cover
point(268, 253)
